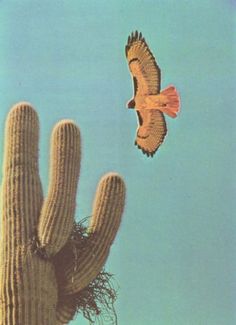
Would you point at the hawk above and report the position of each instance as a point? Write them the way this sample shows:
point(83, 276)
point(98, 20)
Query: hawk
point(148, 100)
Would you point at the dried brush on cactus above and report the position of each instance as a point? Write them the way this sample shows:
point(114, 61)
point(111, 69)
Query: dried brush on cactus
point(38, 285)
point(96, 300)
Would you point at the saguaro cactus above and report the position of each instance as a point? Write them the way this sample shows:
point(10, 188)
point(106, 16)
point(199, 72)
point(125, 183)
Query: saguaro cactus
point(35, 288)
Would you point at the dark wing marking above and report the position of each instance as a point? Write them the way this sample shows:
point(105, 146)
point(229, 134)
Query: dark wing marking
point(140, 120)
point(135, 82)
point(151, 131)
point(142, 65)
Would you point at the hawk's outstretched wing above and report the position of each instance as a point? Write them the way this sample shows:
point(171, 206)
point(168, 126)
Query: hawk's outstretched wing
point(151, 131)
point(143, 67)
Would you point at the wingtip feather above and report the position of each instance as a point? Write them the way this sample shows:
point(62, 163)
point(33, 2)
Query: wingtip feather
point(145, 152)
point(133, 37)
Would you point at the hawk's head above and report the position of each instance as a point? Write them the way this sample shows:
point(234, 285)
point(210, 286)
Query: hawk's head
point(131, 104)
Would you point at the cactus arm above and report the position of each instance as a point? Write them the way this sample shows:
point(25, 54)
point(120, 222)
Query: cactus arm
point(66, 309)
point(25, 280)
point(21, 184)
point(57, 215)
point(106, 217)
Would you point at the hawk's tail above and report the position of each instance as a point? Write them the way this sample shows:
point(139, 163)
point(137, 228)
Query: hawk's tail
point(172, 101)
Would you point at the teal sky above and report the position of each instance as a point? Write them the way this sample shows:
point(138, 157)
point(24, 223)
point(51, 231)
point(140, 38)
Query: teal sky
point(174, 258)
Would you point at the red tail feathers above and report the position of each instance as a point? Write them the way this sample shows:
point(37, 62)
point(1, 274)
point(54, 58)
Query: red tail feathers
point(172, 102)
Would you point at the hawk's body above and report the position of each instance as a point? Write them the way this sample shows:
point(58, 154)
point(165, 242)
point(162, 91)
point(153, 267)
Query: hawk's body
point(148, 101)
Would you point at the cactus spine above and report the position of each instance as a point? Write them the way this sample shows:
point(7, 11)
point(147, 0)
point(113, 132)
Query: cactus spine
point(30, 291)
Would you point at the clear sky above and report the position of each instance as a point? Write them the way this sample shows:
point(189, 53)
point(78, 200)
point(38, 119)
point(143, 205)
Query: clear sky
point(174, 258)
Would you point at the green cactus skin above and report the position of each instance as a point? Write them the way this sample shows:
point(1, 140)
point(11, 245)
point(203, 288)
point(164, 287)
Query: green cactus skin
point(54, 228)
point(29, 288)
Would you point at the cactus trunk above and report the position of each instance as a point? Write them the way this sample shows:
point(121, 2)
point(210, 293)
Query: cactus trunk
point(27, 282)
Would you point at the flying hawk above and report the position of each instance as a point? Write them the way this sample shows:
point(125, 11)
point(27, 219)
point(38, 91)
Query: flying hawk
point(149, 102)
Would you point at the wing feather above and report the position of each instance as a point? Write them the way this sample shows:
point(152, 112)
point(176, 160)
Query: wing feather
point(142, 65)
point(151, 131)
